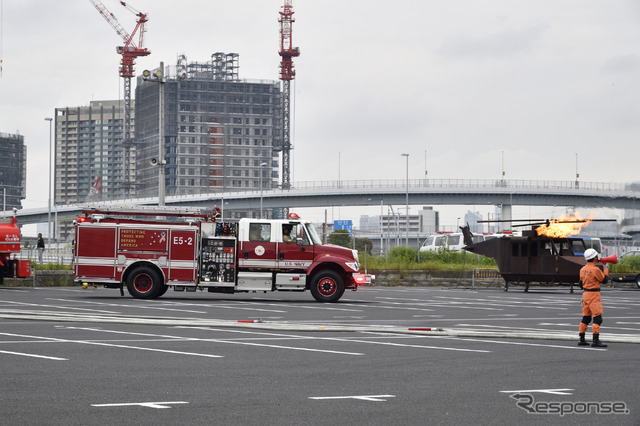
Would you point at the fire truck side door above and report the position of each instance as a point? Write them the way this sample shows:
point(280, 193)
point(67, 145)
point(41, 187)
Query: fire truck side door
point(259, 249)
point(182, 255)
point(95, 251)
point(295, 252)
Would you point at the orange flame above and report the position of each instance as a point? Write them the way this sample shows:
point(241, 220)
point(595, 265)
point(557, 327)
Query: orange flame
point(566, 226)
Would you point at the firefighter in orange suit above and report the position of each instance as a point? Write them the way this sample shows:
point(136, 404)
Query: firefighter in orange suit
point(591, 276)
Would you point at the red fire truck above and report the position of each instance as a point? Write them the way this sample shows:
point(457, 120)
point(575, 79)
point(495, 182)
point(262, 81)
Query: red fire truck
point(150, 250)
point(10, 245)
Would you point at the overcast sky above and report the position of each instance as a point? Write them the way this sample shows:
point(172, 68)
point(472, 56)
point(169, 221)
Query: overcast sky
point(466, 81)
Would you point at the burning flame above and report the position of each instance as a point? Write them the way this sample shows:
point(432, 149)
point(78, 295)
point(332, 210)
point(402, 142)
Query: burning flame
point(566, 226)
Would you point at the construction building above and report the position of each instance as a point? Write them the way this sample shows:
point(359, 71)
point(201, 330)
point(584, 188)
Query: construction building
point(394, 224)
point(13, 171)
point(219, 131)
point(89, 150)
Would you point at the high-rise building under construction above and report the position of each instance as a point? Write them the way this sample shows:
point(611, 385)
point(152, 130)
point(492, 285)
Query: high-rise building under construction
point(219, 130)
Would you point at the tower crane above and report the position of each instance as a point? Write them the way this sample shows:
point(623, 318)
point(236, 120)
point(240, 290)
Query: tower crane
point(129, 51)
point(287, 73)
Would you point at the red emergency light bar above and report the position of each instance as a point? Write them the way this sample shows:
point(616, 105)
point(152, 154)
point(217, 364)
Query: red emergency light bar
point(293, 216)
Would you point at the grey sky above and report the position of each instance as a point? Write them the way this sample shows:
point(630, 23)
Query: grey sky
point(463, 80)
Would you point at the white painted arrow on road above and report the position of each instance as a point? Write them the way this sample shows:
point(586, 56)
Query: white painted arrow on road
point(375, 398)
point(142, 404)
point(550, 391)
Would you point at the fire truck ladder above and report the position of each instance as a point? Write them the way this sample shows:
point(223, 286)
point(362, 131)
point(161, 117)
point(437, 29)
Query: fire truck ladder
point(191, 212)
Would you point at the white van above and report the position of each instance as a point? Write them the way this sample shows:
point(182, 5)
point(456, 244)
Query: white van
point(453, 241)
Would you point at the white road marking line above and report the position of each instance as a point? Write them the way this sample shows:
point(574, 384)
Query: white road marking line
point(284, 347)
point(131, 306)
point(142, 404)
point(374, 398)
point(504, 327)
point(404, 345)
point(447, 301)
point(34, 355)
point(322, 307)
point(504, 342)
point(214, 306)
point(336, 339)
point(59, 307)
point(196, 339)
point(549, 391)
point(131, 333)
point(87, 342)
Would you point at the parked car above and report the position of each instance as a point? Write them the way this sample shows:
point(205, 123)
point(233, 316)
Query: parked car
point(453, 241)
point(628, 279)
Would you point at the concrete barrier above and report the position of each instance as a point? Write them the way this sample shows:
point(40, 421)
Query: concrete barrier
point(43, 278)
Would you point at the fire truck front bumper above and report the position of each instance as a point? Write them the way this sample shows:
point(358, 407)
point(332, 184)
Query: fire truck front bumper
point(360, 280)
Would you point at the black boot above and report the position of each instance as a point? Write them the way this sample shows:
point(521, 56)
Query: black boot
point(582, 342)
point(596, 341)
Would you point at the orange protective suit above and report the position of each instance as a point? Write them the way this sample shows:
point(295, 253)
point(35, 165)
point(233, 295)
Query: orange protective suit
point(591, 276)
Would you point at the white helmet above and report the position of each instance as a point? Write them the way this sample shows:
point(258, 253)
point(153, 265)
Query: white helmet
point(590, 254)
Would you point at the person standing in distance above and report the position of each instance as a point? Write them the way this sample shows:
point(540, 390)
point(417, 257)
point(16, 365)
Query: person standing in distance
point(591, 277)
point(40, 247)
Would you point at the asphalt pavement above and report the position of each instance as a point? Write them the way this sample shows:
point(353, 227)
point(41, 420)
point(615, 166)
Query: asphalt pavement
point(381, 355)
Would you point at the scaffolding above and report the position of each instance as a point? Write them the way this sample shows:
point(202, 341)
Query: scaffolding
point(222, 67)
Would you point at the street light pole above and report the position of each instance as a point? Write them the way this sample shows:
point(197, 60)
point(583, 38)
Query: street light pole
point(161, 160)
point(407, 203)
point(261, 166)
point(158, 77)
point(381, 229)
point(50, 120)
point(577, 174)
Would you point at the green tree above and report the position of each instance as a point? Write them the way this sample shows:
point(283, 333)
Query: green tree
point(340, 237)
point(364, 245)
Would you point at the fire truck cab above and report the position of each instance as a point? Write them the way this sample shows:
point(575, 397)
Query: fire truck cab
point(151, 250)
point(9, 248)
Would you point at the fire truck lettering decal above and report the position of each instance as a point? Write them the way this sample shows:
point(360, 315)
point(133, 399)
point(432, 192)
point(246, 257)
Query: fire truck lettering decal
point(259, 250)
point(139, 238)
point(293, 263)
point(178, 241)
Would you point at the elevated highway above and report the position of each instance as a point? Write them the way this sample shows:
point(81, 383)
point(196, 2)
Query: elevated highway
point(376, 192)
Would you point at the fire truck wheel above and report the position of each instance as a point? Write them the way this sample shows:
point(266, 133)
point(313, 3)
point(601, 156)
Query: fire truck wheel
point(327, 286)
point(144, 283)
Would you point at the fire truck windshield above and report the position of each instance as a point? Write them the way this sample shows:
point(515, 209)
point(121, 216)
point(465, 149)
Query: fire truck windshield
point(313, 234)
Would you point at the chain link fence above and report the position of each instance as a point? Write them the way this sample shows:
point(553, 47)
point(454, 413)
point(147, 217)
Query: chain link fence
point(56, 255)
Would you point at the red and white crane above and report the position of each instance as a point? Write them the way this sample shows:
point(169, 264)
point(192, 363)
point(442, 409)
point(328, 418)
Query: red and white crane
point(129, 51)
point(287, 73)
